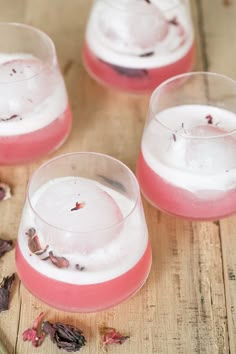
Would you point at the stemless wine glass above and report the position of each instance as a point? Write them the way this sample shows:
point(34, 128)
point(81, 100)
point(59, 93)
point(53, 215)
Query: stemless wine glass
point(35, 117)
point(83, 242)
point(135, 45)
point(187, 163)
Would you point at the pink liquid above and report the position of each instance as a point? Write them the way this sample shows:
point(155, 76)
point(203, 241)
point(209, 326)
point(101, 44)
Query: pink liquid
point(27, 147)
point(83, 298)
point(146, 79)
point(181, 202)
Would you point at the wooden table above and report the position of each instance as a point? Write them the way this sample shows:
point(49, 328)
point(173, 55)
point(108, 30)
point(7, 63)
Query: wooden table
point(188, 304)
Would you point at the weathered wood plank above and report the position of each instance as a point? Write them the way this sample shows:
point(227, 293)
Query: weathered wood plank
point(220, 52)
point(181, 309)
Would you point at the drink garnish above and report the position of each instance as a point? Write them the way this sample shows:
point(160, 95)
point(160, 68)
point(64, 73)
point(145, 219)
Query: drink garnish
point(78, 206)
point(60, 262)
point(34, 243)
point(79, 267)
point(209, 119)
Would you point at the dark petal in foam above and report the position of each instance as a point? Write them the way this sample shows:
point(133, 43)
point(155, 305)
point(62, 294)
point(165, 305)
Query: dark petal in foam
point(129, 72)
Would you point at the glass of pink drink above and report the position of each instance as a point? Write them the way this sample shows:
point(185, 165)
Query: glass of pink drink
point(187, 162)
point(135, 45)
point(35, 116)
point(83, 242)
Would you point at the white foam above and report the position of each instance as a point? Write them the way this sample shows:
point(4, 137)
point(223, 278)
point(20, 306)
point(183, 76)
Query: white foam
point(197, 164)
point(104, 262)
point(122, 40)
point(37, 100)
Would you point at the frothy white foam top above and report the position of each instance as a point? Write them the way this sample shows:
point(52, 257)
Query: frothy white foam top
point(120, 39)
point(190, 163)
point(121, 249)
point(37, 100)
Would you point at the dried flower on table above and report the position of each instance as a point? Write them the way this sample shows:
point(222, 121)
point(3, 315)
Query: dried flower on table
point(111, 336)
point(5, 191)
point(5, 246)
point(5, 288)
point(34, 334)
point(64, 336)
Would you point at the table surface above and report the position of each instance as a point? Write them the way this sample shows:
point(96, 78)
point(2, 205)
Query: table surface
point(188, 304)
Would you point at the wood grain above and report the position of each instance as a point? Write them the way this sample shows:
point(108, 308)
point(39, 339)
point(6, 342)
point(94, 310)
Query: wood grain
point(188, 304)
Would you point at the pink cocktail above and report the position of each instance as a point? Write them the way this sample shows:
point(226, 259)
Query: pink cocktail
point(83, 243)
point(144, 44)
point(35, 116)
point(187, 163)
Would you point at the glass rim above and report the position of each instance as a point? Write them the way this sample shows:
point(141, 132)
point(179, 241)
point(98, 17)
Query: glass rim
point(182, 76)
point(119, 7)
point(101, 229)
point(45, 37)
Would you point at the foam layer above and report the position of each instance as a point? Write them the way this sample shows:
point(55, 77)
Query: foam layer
point(206, 162)
point(33, 94)
point(109, 259)
point(138, 28)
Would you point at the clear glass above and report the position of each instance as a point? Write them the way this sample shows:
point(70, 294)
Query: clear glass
point(187, 162)
point(35, 117)
point(86, 215)
point(135, 45)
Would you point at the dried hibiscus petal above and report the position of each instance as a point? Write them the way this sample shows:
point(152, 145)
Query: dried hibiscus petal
point(5, 246)
point(209, 119)
point(34, 334)
point(60, 262)
point(65, 336)
point(5, 288)
point(174, 21)
point(129, 72)
point(5, 191)
point(78, 206)
point(34, 243)
point(111, 336)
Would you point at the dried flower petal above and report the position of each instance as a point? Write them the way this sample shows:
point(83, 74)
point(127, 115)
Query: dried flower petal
point(5, 246)
point(34, 243)
point(174, 21)
point(78, 206)
point(111, 336)
point(128, 72)
point(79, 267)
point(114, 184)
point(209, 119)
point(34, 334)
point(147, 54)
point(65, 336)
point(5, 191)
point(5, 288)
point(60, 262)
point(9, 118)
